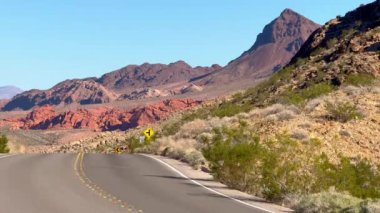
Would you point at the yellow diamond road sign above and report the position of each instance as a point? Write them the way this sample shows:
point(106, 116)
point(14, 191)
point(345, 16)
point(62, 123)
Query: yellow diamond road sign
point(149, 133)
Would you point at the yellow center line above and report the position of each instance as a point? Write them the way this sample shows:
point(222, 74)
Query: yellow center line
point(79, 171)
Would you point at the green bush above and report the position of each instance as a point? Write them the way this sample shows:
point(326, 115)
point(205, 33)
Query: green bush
point(301, 96)
point(360, 178)
point(342, 111)
point(269, 169)
point(229, 109)
point(277, 168)
point(327, 201)
point(361, 79)
point(317, 51)
point(134, 144)
point(4, 144)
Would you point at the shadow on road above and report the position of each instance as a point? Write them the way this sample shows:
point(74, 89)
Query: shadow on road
point(177, 177)
point(260, 200)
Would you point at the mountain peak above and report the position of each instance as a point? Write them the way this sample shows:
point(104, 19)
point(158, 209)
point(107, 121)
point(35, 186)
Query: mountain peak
point(274, 47)
point(288, 24)
point(288, 11)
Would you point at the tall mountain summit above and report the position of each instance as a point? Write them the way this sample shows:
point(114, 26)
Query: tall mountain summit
point(274, 47)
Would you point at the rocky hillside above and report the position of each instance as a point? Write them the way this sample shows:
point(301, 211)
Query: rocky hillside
point(343, 51)
point(9, 92)
point(273, 49)
point(152, 75)
point(100, 119)
point(85, 91)
point(129, 83)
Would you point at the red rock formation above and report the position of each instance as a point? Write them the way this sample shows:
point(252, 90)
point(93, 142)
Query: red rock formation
point(100, 119)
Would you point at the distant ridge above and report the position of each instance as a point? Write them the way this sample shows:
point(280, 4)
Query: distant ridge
point(8, 92)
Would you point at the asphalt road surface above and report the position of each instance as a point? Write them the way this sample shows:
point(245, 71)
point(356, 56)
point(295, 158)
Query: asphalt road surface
point(93, 183)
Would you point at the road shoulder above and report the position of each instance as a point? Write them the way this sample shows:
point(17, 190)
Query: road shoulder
point(206, 181)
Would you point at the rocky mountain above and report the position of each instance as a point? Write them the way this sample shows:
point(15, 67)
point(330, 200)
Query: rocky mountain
point(129, 83)
point(273, 49)
point(344, 51)
point(152, 75)
point(85, 91)
point(8, 92)
point(99, 119)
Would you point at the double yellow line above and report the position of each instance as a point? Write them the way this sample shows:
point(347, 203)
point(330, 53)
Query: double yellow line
point(79, 171)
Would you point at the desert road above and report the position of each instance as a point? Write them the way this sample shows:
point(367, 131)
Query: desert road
point(102, 183)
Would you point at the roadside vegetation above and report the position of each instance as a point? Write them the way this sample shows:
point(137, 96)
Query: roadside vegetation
point(306, 137)
point(272, 168)
point(4, 144)
point(342, 111)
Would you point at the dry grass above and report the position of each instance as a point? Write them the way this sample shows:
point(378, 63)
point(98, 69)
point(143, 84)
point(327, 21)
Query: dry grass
point(24, 141)
point(331, 201)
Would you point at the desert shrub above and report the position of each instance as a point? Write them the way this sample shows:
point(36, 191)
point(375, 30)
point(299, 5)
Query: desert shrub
point(361, 79)
point(269, 169)
point(314, 103)
point(238, 96)
point(370, 206)
point(300, 96)
point(300, 134)
point(326, 201)
point(286, 115)
point(174, 126)
point(360, 178)
point(186, 150)
point(194, 159)
point(228, 109)
point(134, 144)
point(317, 51)
point(300, 61)
point(347, 33)
point(4, 144)
point(342, 111)
point(352, 90)
point(171, 128)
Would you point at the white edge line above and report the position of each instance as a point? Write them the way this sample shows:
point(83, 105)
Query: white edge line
point(5, 156)
point(205, 187)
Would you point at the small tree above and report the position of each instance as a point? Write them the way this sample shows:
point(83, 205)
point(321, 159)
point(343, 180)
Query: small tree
point(4, 144)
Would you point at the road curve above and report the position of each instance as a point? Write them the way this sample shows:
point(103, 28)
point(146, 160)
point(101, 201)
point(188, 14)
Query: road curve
point(102, 183)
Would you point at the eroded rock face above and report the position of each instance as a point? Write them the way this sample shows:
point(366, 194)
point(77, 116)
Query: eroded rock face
point(100, 119)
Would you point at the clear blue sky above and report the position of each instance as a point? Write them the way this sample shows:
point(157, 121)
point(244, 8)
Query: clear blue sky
point(43, 42)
